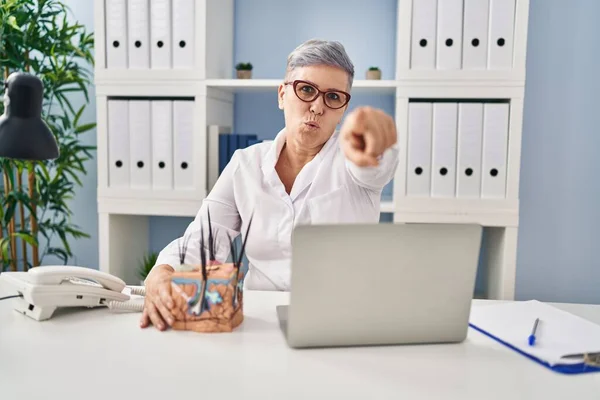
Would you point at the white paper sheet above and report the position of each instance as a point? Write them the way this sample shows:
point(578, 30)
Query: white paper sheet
point(561, 337)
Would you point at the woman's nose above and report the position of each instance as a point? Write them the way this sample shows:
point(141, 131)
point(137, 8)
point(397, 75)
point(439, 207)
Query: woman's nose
point(317, 106)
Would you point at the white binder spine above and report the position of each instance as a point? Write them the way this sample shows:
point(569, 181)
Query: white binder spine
point(140, 144)
point(495, 145)
point(470, 136)
point(160, 33)
point(183, 34)
point(449, 34)
point(118, 143)
point(116, 34)
point(418, 181)
point(139, 34)
point(423, 38)
point(501, 34)
point(475, 40)
point(443, 170)
point(183, 133)
point(162, 144)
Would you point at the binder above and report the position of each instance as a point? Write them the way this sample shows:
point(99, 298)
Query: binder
point(495, 146)
point(162, 144)
point(223, 151)
point(475, 40)
point(118, 143)
point(470, 137)
point(139, 34)
point(443, 170)
point(248, 140)
point(116, 34)
point(561, 338)
point(418, 181)
point(253, 141)
point(160, 34)
point(183, 34)
point(140, 146)
point(183, 142)
point(423, 38)
point(502, 20)
point(213, 151)
point(234, 144)
point(449, 34)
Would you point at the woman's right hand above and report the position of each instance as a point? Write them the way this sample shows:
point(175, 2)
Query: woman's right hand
point(158, 300)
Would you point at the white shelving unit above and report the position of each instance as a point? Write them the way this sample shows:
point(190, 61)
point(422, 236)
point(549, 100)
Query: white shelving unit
point(210, 83)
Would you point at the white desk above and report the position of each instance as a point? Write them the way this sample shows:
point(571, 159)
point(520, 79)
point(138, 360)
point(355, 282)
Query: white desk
point(96, 354)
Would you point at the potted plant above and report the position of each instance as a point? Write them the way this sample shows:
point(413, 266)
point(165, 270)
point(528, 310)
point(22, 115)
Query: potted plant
point(374, 73)
point(244, 70)
point(146, 265)
point(39, 37)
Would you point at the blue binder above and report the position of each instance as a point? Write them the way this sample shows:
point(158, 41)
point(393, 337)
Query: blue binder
point(223, 151)
point(229, 143)
point(569, 369)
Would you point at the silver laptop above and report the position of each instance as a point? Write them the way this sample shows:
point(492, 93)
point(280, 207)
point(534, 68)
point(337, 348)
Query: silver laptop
point(380, 284)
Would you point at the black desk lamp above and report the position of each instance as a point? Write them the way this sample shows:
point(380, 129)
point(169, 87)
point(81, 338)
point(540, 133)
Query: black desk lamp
point(23, 134)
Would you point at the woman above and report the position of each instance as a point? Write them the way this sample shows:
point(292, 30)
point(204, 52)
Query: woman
point(310, 173)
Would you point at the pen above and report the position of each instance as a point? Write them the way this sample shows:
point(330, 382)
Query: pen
point(532, 336)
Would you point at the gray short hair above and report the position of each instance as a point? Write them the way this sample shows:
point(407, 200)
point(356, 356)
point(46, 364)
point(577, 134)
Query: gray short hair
point(321, 52)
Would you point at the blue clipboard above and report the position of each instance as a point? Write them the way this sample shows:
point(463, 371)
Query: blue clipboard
point(568, 369)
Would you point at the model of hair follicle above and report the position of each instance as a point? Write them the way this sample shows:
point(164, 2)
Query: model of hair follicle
point(208, 294)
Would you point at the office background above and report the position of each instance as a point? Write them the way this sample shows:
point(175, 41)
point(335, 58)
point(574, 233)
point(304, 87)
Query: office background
point(559, 187)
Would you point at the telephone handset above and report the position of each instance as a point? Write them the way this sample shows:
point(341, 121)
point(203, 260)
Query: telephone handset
point(43, 289)
point(54, 275)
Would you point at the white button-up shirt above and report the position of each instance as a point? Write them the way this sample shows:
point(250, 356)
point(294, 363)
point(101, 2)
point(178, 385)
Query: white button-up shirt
point(329, 189)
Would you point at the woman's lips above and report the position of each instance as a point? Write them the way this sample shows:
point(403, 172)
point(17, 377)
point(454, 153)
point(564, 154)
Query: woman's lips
point(312, 124)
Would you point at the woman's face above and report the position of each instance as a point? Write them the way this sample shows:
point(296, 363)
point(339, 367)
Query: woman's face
point(311, 123)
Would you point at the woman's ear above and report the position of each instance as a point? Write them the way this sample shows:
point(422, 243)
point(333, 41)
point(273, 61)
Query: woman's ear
point(280, 93)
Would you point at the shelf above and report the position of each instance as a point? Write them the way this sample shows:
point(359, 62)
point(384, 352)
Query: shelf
point(156, 207)
point(146, 75)
point(487, 220)
point(362, 86)
point(153, 89)
point(489, 212)
point(458, 90)
point(150, 194)
point(462, 77)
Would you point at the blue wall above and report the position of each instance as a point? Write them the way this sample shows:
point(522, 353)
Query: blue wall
point(560, 188)
point(560, 185)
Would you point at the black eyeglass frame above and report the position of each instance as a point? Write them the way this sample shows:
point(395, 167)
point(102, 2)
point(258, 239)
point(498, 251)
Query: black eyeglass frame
point(319, 93)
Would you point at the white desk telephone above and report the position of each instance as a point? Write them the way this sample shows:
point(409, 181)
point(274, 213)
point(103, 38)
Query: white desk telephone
point(41, 290)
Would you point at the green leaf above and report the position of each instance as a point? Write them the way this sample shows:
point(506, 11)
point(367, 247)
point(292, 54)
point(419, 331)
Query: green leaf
point(12, 21)
point(85, 127)
point(26, 237)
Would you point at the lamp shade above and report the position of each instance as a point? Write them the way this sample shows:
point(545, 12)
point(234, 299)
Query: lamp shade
point(23, 134)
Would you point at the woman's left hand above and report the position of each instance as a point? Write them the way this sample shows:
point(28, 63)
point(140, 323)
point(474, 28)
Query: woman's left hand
point(365, 134)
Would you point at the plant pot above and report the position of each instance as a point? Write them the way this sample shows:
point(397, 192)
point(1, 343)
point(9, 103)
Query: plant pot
point(374, 74)
point(244, 74)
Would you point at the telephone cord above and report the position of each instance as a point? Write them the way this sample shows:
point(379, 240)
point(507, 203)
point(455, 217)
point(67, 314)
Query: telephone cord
point(137, 290)
point(134, 304)
point(129, 305)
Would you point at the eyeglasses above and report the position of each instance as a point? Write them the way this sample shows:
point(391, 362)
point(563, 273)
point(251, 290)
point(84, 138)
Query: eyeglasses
point(308, 92)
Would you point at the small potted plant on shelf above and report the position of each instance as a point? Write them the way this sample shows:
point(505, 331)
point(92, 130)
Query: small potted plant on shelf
point(374, 73)
point(244, 70)
point(146, 266)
